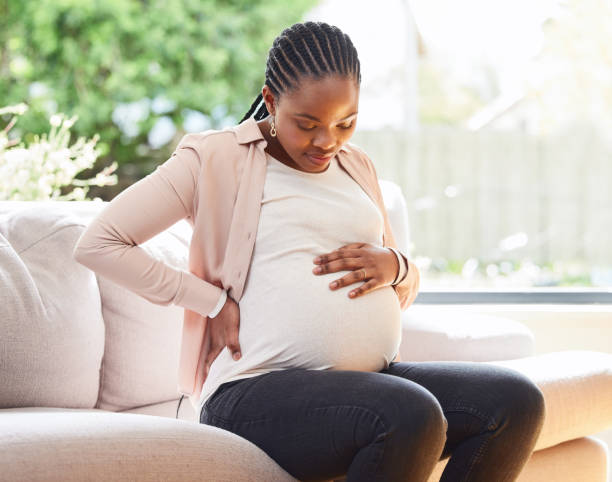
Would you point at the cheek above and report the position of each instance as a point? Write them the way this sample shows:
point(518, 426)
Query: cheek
point(295, 139)
point(345, 136)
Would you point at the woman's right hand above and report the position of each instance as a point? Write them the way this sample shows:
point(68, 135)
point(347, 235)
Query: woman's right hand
point(224, 331)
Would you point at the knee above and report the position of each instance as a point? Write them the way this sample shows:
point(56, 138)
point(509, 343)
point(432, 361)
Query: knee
point(434, 422)
point(534, 401)
point(525, 401)
point(421, 417)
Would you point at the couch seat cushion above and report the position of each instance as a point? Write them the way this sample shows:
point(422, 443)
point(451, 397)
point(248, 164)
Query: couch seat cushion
point(76, 445)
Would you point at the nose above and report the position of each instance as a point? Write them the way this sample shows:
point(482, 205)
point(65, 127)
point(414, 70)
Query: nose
point(324, 140)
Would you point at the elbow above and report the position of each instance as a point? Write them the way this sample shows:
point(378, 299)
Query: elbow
point(79, 254)
point(83, 250)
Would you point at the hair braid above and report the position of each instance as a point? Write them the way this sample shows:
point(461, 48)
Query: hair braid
point(308, 49)
point(345, 55)
point(329, 34)
point(254, 106)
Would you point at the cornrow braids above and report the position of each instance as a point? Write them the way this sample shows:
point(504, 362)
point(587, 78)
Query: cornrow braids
point(314, 49)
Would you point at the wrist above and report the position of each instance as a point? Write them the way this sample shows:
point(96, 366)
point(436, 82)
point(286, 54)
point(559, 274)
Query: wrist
point(220, 304)
point(399, 266)
point(406, 264)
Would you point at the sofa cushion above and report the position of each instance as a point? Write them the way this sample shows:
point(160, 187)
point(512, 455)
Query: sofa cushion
point(141, 355)
point(581, 459)
point(431, 333)
point(397, 211)
point(137, 346)
point(577, 388)
point(52, 334)
point(75, 445)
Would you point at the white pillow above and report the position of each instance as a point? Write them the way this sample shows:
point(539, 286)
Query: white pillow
point(52, 333)
point(143, 339)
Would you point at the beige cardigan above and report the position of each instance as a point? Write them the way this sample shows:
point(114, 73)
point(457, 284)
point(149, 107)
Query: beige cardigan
point(214, 179)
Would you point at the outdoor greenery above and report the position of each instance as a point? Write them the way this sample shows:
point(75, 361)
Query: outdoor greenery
point(138, 74)
point(48, 165)
point(508, 274)
point(122, 66)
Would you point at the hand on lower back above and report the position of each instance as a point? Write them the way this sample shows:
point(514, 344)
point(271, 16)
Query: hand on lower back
point(224, 331)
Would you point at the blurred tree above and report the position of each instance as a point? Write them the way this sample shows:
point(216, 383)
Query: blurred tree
point(443, 99)
point(125, 66)
point(571, 78)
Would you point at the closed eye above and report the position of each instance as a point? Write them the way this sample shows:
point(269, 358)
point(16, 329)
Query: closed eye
point(345, 126)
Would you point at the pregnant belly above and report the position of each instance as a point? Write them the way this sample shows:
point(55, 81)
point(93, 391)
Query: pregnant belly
point(301, 322)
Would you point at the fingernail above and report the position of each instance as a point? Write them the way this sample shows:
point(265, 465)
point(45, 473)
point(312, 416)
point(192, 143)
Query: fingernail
point(316, 260)
point(236, 356)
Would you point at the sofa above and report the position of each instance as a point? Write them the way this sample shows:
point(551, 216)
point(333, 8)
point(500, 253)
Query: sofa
point(89, 369)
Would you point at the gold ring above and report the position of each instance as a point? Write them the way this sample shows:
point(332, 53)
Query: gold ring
point(364, 273)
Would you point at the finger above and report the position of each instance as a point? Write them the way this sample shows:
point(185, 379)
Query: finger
point(363, 289)
point(211, 357)
point(353, 277)
point(354, 245)
point(342, 264)
point(338, 261)
point(337, 254)
point(233, 343)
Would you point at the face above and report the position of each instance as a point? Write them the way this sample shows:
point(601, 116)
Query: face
point(314, 121)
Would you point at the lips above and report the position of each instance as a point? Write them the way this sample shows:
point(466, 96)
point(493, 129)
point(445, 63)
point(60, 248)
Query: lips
point(319, 161)
point(322, 157)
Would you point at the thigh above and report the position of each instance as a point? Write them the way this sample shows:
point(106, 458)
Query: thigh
point(474, 396)
point(313, 422)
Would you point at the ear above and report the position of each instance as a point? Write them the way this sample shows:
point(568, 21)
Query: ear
point(269, 99)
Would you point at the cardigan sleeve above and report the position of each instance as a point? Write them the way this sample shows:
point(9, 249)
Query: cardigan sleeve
point(109, 245)
point(408, 289)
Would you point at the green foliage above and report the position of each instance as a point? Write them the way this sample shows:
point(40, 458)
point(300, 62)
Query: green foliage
point(504, 273)
point(92, 55)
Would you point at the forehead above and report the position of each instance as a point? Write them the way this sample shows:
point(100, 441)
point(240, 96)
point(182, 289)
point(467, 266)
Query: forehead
point(330, 97)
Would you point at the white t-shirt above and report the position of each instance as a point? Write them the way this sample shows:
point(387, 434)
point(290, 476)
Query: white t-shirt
point(289, 317)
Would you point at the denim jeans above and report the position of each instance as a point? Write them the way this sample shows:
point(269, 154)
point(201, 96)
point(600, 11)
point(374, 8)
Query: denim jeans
point(392, 425)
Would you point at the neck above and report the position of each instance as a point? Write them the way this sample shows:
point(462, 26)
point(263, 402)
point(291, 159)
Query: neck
point(274, 147)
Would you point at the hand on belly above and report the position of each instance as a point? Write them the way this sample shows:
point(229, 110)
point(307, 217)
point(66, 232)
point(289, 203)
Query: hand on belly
point(374, 266)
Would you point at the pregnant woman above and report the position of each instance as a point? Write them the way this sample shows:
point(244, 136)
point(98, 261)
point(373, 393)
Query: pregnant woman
point(295, 291)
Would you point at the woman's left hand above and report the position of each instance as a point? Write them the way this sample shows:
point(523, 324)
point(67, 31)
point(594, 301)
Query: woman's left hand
point(379, 263)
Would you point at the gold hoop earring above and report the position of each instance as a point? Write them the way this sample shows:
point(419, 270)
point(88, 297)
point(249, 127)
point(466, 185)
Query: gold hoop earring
point(272, 129)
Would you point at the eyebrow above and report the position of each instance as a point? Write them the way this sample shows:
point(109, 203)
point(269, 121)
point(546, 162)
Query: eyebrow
point(303, 114)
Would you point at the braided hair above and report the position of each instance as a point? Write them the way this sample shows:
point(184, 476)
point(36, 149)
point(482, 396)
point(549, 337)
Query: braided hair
point(314, 49)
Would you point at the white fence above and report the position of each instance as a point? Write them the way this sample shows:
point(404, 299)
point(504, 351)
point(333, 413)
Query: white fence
point(500, 195)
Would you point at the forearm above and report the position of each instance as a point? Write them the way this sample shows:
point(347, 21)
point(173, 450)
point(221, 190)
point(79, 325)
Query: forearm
point(102, 249)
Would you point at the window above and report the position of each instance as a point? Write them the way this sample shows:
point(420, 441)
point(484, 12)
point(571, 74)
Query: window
point(496, 121)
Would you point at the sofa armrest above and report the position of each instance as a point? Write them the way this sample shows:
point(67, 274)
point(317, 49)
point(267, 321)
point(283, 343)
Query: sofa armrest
point(397, 210)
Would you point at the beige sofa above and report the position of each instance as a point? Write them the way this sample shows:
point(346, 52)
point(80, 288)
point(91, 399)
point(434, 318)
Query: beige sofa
point(88, 369)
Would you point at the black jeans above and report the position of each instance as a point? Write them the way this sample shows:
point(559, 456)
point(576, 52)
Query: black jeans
point(392, 425)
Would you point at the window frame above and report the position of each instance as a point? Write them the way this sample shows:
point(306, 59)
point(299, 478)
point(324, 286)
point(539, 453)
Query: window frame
point(572, 296)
